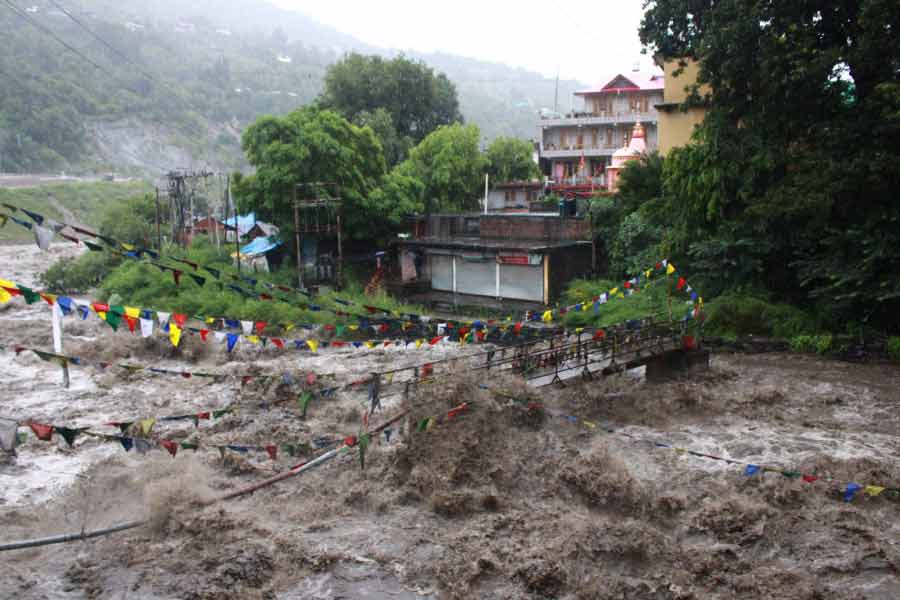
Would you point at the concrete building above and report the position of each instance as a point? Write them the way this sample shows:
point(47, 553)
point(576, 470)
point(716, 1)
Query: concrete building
point(677, 117)
point(514, 196)
point(576, 148)
point(520, 259)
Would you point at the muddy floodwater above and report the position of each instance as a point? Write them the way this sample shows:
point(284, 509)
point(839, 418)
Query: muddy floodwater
point(508, 500)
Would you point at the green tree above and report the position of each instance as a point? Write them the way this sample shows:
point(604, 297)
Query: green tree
point(417, 100)
point(450, 167)
point(311, 145)
point(797, 157)
point(511, 159)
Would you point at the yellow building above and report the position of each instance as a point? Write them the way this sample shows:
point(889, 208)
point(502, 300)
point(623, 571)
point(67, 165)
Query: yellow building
point(675, 123)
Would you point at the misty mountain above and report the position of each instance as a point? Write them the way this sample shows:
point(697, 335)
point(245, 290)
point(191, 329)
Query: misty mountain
point(172, 84)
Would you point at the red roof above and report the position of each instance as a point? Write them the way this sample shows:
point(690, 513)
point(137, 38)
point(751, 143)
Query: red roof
point(629, 81)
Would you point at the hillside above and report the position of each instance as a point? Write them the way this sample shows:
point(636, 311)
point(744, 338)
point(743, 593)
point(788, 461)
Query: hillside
point(182, 80)
point(66, 202)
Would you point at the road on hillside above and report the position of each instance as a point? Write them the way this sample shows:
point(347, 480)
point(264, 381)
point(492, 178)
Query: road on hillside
point(8, 180)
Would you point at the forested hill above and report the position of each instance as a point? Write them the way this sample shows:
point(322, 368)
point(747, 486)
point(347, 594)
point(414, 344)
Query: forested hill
point(173, 83)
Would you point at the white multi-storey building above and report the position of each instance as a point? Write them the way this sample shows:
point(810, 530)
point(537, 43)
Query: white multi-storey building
point(576, 148)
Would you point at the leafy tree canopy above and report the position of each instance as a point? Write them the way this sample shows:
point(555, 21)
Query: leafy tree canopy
point(510, 159)
point(451, 168)
point(416, 99)
point(795, 166)
point(311, 145)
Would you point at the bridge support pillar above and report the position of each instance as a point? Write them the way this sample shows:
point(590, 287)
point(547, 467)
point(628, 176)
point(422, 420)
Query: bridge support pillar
point(676, 364)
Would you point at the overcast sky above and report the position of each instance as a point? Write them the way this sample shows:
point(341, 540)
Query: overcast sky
point(584, 39)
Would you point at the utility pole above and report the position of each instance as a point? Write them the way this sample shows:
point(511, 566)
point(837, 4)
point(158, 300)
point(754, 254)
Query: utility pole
point(556, 94)
point(158, 235)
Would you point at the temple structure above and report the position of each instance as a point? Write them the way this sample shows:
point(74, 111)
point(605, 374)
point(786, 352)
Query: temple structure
point(633, 150)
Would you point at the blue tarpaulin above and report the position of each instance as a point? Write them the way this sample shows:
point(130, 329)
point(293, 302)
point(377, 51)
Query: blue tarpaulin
point(260, 245)
point(244, 223)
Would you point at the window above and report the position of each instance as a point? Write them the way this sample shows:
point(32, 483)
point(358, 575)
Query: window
point(610, 142)
point(594, 139)
point(472, 226)
point(563, 140)
point(579, 141)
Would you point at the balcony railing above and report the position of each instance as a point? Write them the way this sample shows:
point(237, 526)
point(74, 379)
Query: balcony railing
point(552, 151)
point(581, 119)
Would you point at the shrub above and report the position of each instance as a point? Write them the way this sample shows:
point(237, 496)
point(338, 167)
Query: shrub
point(893, 348)
point(738, 314)
point(819, 344)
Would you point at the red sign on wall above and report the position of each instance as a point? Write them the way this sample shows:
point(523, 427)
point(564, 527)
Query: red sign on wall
point(513, 259)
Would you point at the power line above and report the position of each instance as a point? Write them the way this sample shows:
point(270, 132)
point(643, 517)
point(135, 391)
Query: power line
point(102, 41)
point(49, 32)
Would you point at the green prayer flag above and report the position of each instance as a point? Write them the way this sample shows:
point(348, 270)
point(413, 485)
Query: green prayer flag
point(68, 434)
point(29, 294)
point(791, 474)
point(114, 317)
point(303, 400)
point(189, 446)
point(339, 330)
point(221, 412)
point(21, 437)
point(93, 246)
point(363, 443)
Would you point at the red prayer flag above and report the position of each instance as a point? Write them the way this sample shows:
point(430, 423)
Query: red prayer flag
point(311, 379)
point(383, 327)
point(176, 275)
point(203, 334)
point(203, 415)
point(278, 343)
point(100, 307)
point(260, 326)
point(681, 283)
point(434, 340)
point(272, 449)
point(350, 440)
point(627, 285)
point(185, 374)
point(427, 369)
point(599, 334)
point(517, 328)
point(13, 291)
point(387, 343)
point(246, 379)
point(132, 322)
point(43, 432)
point(371, 309)
point(809, 478)
point(180, 319)
point(265, 297)
point(457, 411)
point(169, 445)
point(338, 344)
point(48, 299)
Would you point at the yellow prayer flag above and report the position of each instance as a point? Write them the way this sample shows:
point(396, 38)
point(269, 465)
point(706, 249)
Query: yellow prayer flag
point(101, 314)
point(132, 312)
point(548, 316)
point(352, 327)
point(431, 422)
point(370, 344)
point(209, 320)
point(585, 306)
point(174, 334)
point(648, 273)
point(579, 329)
point(589, 424)
point(670, 269)
point(419, 343)
point(680, 450)
point(253, 339)
point(313, 345)
point(7, 284)
point(128, 247)
point(4, 296)
point(389, 378)
point(288, 327)
point(147, 425)
point(620, 295)
point(613, 291)
point(874, 490)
